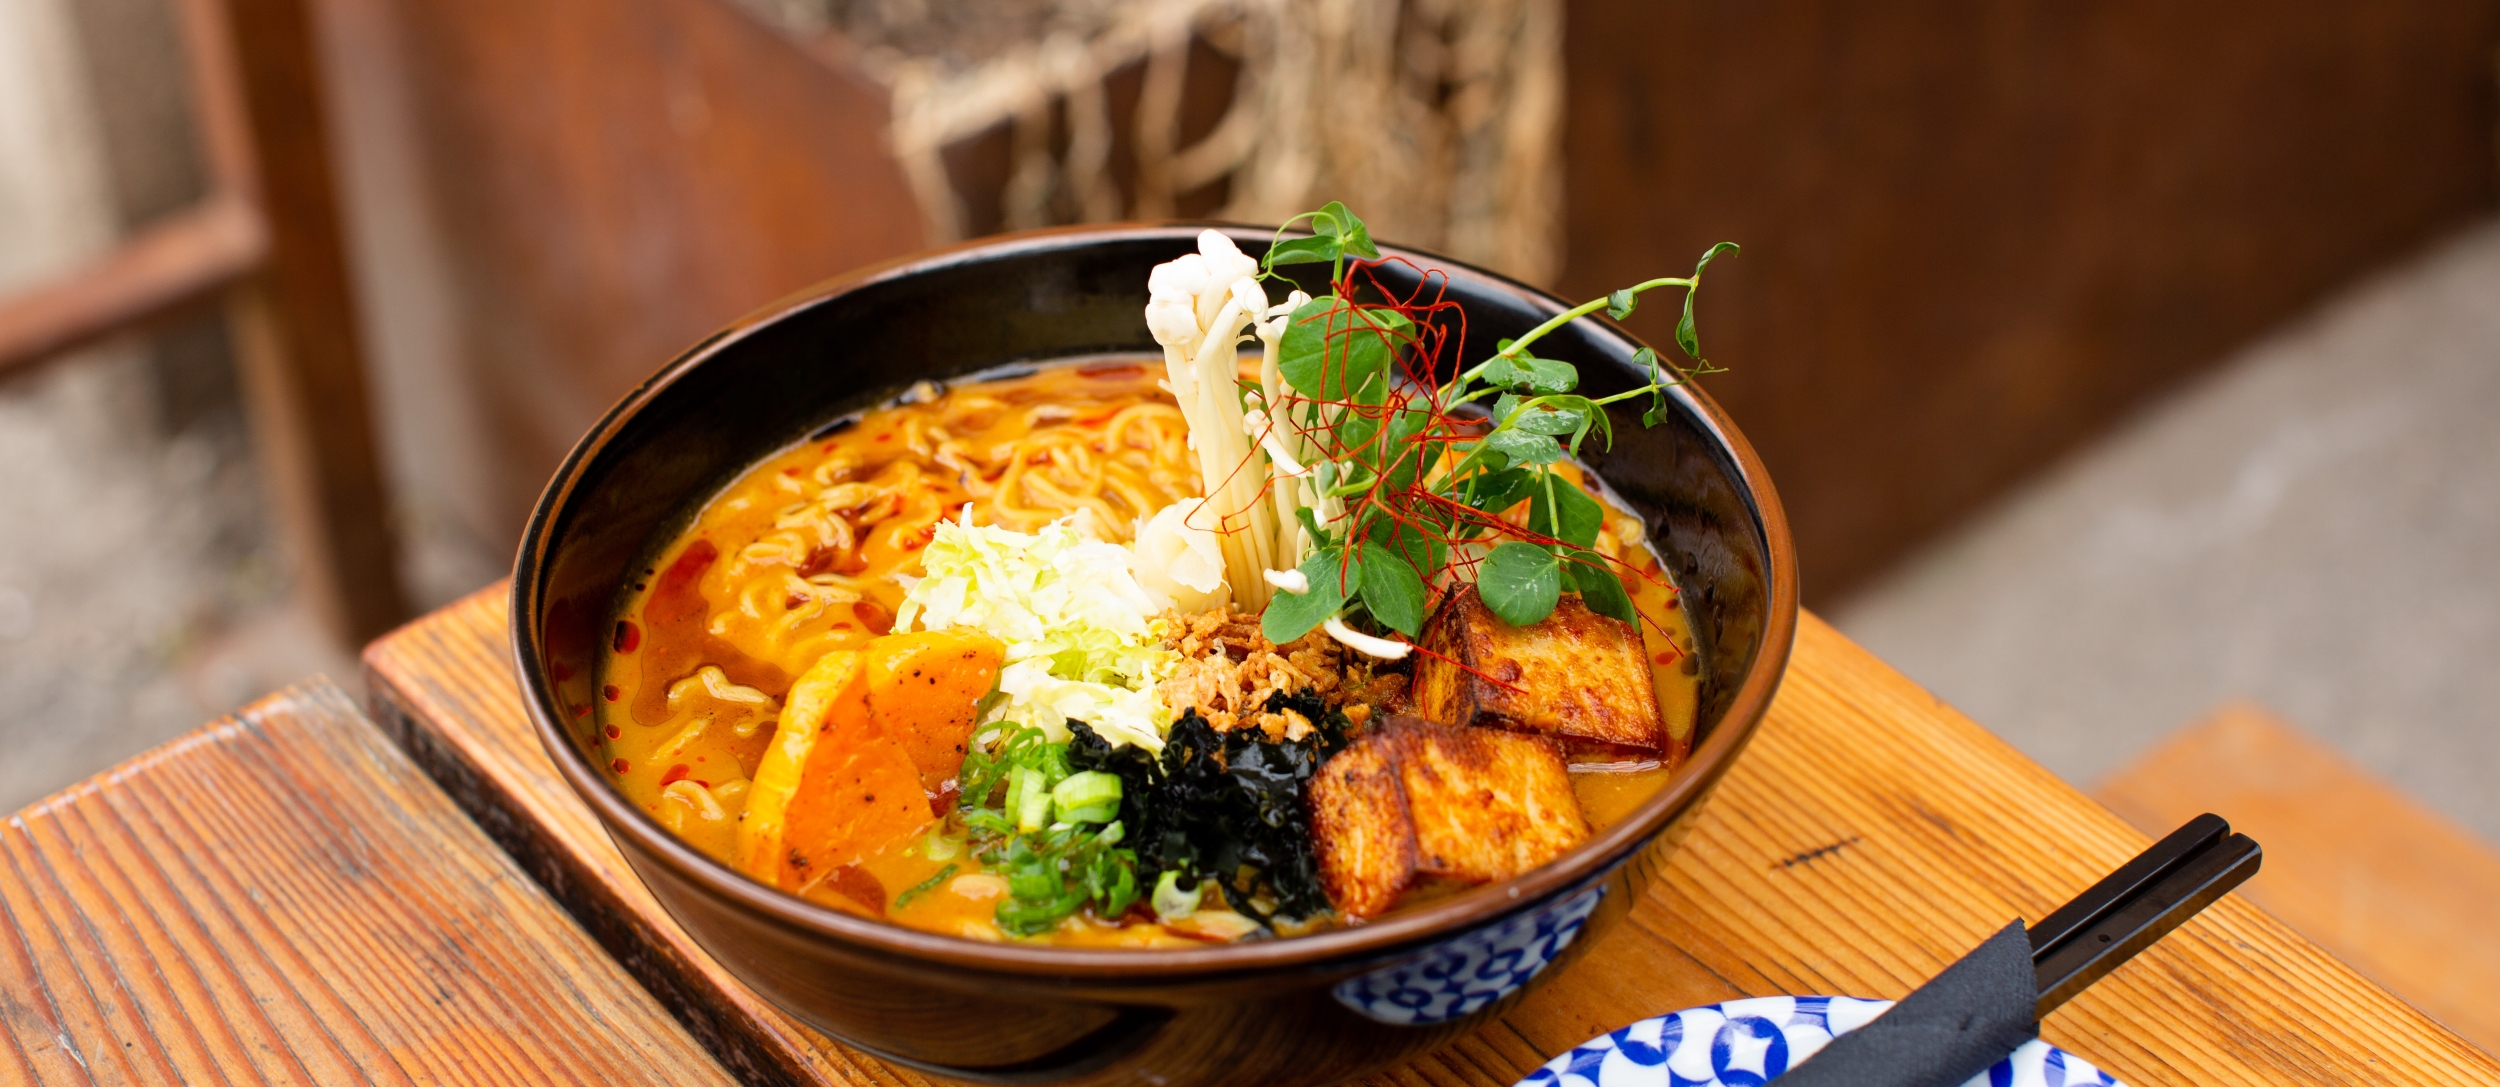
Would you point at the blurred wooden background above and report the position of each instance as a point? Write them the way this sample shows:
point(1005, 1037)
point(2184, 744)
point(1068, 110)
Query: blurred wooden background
point(1976, 234)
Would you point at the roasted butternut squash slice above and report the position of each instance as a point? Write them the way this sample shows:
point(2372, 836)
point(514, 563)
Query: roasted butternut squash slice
point(865, 739)
point(805, 713)
point(858, 796)
point(926, 688)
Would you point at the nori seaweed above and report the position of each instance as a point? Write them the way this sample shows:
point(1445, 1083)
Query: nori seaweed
point(1225, 805)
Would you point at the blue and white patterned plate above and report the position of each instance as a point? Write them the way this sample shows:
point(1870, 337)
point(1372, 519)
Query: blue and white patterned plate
point(1743, 1043)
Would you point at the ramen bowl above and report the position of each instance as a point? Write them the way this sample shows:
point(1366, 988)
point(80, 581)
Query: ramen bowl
point(1280, 1012)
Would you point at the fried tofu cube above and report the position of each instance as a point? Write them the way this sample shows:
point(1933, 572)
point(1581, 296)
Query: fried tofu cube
point(1413, 804)
point(1487, 805)
point(1361, 828)
point(1580, 677)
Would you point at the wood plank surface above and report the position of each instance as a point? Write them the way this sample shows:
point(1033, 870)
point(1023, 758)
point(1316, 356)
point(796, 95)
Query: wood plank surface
point(281, 898)
point(2403, 894)
point(1869, 836)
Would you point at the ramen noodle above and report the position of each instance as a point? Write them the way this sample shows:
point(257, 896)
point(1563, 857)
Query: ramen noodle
point(813, 554)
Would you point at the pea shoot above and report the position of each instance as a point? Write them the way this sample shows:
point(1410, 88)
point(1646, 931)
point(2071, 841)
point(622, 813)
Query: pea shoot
point(1395, 482)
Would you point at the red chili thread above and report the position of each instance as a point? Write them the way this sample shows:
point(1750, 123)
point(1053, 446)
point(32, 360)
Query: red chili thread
point(1432, 319)
point(1470, 670)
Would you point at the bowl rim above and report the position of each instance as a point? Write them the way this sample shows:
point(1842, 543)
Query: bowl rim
point(639, 832)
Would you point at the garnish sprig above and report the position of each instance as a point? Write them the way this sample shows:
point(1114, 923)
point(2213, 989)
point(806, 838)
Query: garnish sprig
point(1388, 492)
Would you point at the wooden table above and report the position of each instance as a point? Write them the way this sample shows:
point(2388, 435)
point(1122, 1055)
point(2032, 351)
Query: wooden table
point(282, 898)
point(283, 884)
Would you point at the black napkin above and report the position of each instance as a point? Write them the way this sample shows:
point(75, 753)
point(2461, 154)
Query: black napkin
point(1952, 1028)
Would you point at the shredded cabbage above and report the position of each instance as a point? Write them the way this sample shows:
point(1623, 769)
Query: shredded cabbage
point(1081, 636)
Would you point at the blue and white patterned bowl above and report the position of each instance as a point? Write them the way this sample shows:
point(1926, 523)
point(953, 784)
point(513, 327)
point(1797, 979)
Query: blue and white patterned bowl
point(1744, 1043)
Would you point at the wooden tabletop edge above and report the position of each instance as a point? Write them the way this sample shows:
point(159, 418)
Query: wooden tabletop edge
point(752, 1050)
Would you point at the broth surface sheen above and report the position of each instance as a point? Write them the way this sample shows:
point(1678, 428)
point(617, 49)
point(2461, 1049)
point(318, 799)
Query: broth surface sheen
point(810, 551)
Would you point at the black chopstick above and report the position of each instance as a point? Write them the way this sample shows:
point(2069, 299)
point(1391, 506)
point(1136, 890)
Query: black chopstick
point(2137, 905)
point(1983, 1005)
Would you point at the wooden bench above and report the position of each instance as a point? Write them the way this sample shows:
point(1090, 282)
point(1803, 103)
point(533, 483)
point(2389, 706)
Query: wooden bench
point(282, 898)
point(2400, 892)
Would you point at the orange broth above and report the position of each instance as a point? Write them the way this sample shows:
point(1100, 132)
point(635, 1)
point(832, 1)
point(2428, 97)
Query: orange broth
point(800, 556)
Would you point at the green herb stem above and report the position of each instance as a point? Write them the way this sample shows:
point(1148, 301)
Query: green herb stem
point(1557, 321)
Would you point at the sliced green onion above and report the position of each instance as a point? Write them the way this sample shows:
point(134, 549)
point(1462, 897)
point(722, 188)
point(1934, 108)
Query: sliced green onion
point(1036, 883)
point(924, 886)
point(1087, 797)
point(1033, 918)
point(1029, 797)
point(1017, 776)
point(1170, 902)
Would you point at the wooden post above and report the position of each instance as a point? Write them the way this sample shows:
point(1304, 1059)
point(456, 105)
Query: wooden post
point(296, 329)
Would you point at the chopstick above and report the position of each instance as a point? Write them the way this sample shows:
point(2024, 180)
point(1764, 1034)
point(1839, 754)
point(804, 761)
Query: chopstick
point(1969, 1016)
point(2135, 906)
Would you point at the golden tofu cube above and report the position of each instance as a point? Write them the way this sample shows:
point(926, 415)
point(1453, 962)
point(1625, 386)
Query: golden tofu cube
point(1360, 826)
point(1487, 805)
point(1577, 676)
point(1413, 806)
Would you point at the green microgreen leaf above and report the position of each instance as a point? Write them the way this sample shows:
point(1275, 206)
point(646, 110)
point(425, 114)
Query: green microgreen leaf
point(1292, 615)
point(1600, 587)
point(1571, 515)
point(1331, 346)
point(1589, 417)
point(1524, 447)
point(1320, 537)
point(1420, 546)
point(1685, 336)
point(1519, 582)
point(1546, 420)
point(1547, 376)
point(1392, 591)
point(1408, 456)
point(1498, 491)
point(1336, 222)
point(1385, 448)
point(1540, 376)
point(1313, 250)
point(1407, 423)
point(1647, 361)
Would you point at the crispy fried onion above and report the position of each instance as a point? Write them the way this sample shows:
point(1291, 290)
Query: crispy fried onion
point(1228, 669)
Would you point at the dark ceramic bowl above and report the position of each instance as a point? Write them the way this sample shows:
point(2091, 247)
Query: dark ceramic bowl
point(1296, 1011)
